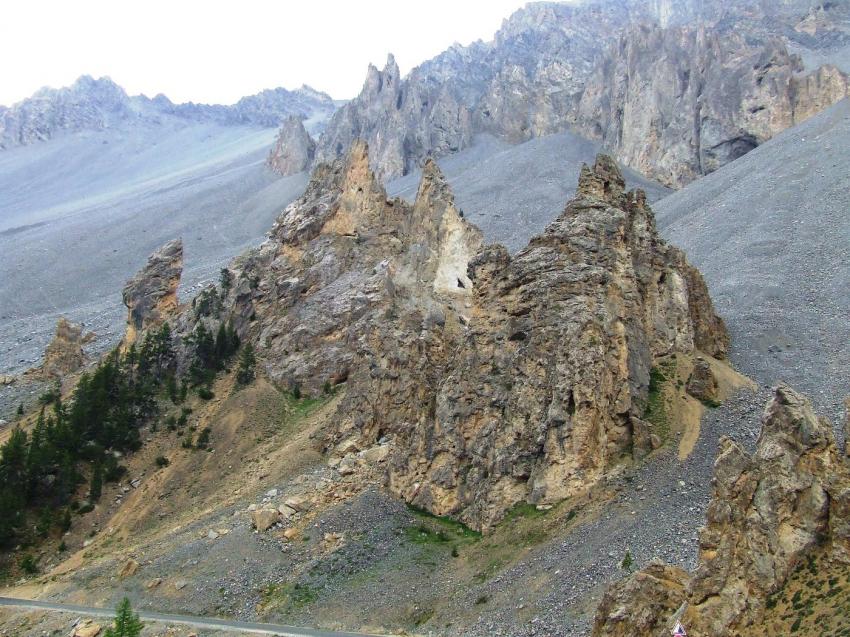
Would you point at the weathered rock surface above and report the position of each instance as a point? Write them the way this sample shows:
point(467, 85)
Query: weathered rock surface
point(681, 102)
point(99, 104)
point(64, 355)
point(702, 383)
point(264, 519)
point(151, 295)
point(768, 511)
point(675, 90)
point(847, 426)
point(294, 149)
point(494, 379)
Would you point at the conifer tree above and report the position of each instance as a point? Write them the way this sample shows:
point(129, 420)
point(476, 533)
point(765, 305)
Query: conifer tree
point(127, 623)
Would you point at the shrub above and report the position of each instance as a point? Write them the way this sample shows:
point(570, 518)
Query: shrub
point(627, 562)
point(162, 461)
point(28, 564)
point(85, 507)
point(205, 393)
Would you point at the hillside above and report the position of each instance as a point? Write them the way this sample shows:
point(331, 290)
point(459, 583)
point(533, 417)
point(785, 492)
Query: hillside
point(770, 232)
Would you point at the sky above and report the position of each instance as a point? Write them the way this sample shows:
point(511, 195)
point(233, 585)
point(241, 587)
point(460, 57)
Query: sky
point(212, 51)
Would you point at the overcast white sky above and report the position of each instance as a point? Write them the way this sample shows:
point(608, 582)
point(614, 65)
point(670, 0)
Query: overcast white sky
point(216, 52)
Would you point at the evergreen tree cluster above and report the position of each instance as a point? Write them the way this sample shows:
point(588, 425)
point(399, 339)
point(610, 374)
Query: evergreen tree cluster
point(210, 354)
point(41, 471)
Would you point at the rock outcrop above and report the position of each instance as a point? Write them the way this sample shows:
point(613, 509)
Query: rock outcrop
point(768, 511)
point(294, 149)
point(493, 379)
point(64, 354)
point(702, 383)
point(681, 102)
point(674, 89)
point(847, 427)
point(151, 295)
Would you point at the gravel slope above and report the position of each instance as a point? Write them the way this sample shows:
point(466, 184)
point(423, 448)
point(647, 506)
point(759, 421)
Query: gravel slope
point(513, 192)
point(80, 214)
point(771, 233)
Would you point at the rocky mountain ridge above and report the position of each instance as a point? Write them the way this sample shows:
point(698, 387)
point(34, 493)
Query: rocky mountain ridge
point(553, 66)
point(100, 104)
point(445, 346)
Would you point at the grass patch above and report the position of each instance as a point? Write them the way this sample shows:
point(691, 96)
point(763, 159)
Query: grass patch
point(287, 598)
point(423, 534)
point(453, 529)
point(656, 407)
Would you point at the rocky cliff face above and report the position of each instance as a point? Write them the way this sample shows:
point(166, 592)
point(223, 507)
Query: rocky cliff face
point(703, 82)
point(151, 295)
point(681, 102)
point(294, 149)
point(494, 379)
point(769, 510)
point(100, 104)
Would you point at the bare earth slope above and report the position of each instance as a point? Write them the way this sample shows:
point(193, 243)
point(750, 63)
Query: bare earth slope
point(770, 233)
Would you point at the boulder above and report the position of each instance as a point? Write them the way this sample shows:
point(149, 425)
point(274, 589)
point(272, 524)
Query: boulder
point(264, 519)
point(89, 630)
point(129, 568)
point(702, 383)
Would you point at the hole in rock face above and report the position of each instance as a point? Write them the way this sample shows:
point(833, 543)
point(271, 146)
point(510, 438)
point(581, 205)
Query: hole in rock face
point(662, 279)
point(518, 336)
point(460, 284)
point(571, 404)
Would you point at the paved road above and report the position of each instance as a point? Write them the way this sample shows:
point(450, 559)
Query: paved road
point(186, 620)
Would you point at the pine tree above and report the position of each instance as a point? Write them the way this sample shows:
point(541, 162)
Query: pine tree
point(21, 409)
point(247, 362)
point(127, 623)
point(96, 487)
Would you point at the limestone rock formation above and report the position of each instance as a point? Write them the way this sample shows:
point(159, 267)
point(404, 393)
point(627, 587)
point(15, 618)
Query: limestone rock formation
point(768, 511)
point(493, 379)
point(293, 150)
point(402, 122)
point(681, 102)
point(151, 295)
point(674, 89)
point(64, 354)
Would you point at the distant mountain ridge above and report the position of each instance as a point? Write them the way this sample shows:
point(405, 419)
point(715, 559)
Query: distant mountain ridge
point(546, 68)
point(99, 104)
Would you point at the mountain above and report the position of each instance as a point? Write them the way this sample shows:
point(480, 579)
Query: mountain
point(88, 171)
point(99, 104)
point(552, 66)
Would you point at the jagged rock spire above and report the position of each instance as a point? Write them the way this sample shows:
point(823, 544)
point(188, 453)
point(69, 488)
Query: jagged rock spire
point(151, 295)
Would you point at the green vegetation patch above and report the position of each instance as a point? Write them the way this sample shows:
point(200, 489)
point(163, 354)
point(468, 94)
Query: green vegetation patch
point(288, 597)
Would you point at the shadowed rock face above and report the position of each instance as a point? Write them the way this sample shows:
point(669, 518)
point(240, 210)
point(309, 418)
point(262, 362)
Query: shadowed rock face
point(495, 379)
point(151, 295)
point(293, 150)
point(674, 89)
point(768, 511)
